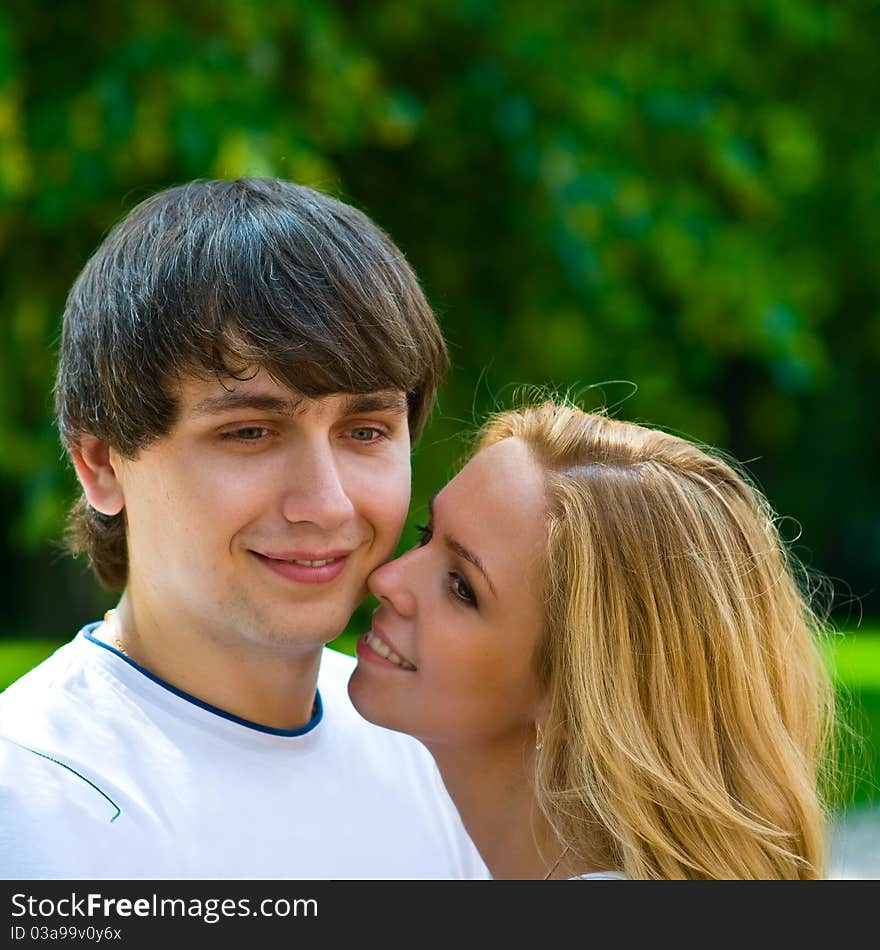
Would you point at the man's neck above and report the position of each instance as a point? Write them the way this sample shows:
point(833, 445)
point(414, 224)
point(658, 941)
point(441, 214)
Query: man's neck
point(269, 687)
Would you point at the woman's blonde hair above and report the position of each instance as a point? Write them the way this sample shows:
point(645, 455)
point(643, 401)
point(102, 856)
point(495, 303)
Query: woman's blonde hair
point(689, 711)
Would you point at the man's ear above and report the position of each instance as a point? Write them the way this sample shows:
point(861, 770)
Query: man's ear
point(94, 468)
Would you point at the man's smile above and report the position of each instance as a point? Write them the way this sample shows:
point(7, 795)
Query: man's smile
point(305, 567)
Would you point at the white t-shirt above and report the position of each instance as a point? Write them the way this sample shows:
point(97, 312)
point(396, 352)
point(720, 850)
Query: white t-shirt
point(108, 772)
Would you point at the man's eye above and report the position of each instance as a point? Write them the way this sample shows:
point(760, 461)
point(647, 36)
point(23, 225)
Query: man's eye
point(366, 434)
point(246, 434)
point(424, 533)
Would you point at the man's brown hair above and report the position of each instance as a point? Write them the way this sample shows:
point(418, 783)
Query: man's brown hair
point(220, 278)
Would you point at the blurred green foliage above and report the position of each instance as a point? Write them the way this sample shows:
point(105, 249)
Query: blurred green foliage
point(681, 196)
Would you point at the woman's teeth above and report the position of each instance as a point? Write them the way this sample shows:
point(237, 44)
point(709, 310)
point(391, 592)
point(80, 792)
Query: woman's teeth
point(383, 649)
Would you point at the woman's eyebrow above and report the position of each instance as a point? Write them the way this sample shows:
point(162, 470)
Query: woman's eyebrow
point(461, 550)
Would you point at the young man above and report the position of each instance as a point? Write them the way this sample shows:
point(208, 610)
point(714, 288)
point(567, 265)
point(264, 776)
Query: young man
point(243, 367)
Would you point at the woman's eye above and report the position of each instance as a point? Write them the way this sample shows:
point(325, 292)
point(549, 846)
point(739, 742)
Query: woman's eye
point(461, 589)
point(366, 434)
point(424, 533)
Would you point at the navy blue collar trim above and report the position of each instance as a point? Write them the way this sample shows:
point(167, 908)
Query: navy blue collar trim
point(318, 709)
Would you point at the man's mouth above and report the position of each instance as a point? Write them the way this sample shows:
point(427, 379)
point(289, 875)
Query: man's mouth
point(305, 562)
point(384, 650)
point(306, 558)
point(305, 567)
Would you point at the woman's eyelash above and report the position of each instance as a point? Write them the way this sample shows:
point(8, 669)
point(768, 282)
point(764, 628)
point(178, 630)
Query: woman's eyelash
point(458, 586)
point(425, 533)
point(460, 589)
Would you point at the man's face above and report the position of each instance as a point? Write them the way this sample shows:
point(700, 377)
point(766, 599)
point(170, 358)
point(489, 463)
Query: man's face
point(256, 521)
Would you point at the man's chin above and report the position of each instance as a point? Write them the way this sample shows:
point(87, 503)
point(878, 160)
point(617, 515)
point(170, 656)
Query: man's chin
point(319, 633)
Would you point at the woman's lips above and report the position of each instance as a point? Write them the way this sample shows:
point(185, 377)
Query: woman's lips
point(305, 567)
point(374, 648)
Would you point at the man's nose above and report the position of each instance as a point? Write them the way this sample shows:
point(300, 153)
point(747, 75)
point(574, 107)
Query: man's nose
point(316, 490)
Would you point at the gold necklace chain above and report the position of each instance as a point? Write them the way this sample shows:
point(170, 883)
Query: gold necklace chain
point(114, 639)
point(556, 865)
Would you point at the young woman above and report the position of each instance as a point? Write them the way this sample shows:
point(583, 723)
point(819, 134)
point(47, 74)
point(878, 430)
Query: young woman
point(603, 644)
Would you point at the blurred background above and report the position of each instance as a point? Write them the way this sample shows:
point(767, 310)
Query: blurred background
point(671, 210)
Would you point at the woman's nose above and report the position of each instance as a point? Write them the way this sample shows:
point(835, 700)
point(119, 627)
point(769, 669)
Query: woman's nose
point(393, 584)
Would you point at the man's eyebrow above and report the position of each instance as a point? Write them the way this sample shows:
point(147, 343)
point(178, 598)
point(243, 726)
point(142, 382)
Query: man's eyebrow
point(461, 550)
point(229, 401)
point(353, 404)
point(364, 403)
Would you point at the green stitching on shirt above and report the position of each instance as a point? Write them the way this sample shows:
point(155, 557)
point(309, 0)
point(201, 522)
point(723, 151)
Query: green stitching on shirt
point(69, 769)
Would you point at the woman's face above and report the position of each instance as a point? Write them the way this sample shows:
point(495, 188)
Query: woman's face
point(449, 656)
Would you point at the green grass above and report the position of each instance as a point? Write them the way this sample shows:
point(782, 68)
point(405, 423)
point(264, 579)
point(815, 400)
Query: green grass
point(854, 658)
